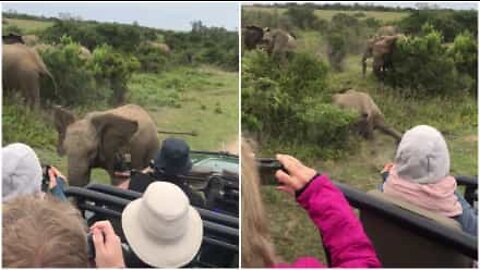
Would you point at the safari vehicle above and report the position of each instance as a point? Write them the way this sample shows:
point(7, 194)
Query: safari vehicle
point(405, 236)
point(215, 174)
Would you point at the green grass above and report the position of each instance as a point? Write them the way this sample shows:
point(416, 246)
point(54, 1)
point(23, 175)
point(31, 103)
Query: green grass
point(384, 17)
point(203, 99)
point(29, 26)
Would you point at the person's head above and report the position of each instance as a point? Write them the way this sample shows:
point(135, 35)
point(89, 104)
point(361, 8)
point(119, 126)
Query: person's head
point(173, 158)
point(161, 227)
point(257, 246)
point(43, 233)
point(21, 171)
point(422, 155)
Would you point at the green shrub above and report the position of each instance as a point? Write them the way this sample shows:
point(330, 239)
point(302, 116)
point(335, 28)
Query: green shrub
point(114, 69)
point(449, 22)
point(302, 16)
point(423, 65)
point(75, 82)
point(287, 105)
point(464, 54)
point(152, 59)
point(12, 28)
point(337, 49)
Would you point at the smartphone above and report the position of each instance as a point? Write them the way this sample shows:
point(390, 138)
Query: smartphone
point(267, 168)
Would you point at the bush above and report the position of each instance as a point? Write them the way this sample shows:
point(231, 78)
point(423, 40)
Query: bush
point(75, 82)
point(287, 104)
point(423, 65)
point(152, 59)
point(302, 17)
point(101, 78)
point(337, 50)
point(12, 28)
point(464, 55)
point(449, 22)
point(113, 69)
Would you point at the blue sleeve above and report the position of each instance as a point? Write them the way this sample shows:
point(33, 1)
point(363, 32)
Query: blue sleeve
point(468, 218)
point(58, 190)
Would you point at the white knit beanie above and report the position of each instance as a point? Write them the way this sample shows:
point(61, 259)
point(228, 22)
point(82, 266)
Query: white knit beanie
point(422, 155)
point(21, 171)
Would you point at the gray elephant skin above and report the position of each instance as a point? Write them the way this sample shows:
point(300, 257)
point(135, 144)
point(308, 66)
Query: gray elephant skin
point(95, 140)
point(370, 116)
point(22, 70)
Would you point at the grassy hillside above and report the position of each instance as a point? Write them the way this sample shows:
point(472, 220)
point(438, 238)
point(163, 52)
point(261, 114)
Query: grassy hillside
point(28, 26)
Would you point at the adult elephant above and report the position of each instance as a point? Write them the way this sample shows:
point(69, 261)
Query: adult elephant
point(22, 70)
point(97, 139)
point(387, 30)
point(278, 41)
point(252, 36)
point(12, 38)
point(370, 116)
point(380, 48)
point(163, 47)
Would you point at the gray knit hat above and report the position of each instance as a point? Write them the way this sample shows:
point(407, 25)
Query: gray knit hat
point(21, 171)
point(422, 155)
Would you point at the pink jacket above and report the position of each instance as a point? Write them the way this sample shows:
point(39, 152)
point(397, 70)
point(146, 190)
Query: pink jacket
point(340, 229)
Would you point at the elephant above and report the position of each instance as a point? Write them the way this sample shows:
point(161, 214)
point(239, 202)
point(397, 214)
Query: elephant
point(100, 137)
point(162, 46)
point(370, 116)
point(84, 53)
point(252, 36)
point(22, 70)
point(277, 41)
point(387, 30)
point(381, 49)
point(12, 38)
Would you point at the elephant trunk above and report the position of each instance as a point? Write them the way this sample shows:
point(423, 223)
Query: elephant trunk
point(390, 131)
point(78, 174)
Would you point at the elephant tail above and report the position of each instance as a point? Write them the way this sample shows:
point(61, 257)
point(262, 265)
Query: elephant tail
point(48, 74)
point(191, 133)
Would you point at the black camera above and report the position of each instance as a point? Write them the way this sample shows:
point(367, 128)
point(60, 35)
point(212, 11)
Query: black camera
point(90, 247)
point(123, 162)
point(45, 177)
point(267, 168)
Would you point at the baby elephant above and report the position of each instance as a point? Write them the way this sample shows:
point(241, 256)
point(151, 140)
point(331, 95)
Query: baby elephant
point(370, 116)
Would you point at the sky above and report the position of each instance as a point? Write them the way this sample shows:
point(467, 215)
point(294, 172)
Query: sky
point(452, 5)
point(169, 15)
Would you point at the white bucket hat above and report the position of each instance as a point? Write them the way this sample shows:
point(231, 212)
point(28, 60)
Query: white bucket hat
point(162, 228)
point(21, 171)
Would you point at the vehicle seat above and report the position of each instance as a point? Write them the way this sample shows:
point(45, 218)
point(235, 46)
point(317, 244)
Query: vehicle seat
point(401, 247)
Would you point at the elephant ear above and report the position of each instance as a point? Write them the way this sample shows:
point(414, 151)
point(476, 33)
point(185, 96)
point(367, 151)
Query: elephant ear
point(113, 132)
point(62, 119)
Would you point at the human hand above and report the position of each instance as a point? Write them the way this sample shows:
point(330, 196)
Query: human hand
point(107, 244)
point(53, 173)
point(148, 170)
point(297, 177)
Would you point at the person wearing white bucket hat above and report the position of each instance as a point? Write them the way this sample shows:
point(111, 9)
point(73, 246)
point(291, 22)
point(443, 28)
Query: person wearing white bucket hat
point(162, 228)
